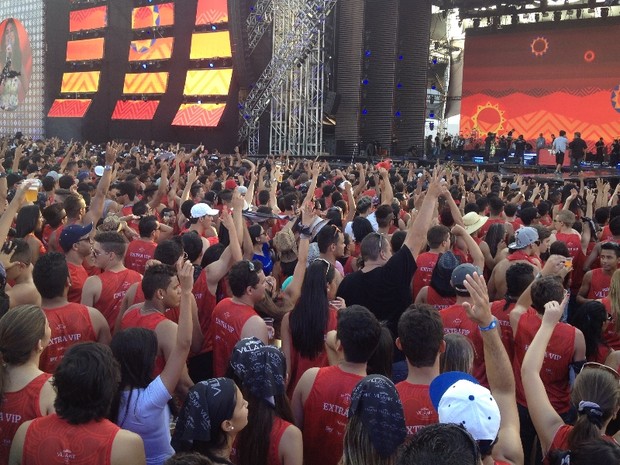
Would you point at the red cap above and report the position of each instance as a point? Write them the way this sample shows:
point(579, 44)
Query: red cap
point(230, 184)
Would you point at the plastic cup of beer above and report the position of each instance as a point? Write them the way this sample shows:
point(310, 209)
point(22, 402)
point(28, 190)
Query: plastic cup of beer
point(33, 190)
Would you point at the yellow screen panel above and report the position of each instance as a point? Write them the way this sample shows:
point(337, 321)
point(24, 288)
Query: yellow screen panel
point(145, 83)
point(210, 45)
point(86, 82)
point(208, 82)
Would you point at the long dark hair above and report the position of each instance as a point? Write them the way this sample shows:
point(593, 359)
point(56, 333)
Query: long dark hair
point(495, 234)
point(308, 320)
point(254, 442)
point(589, 318)
point(135, 349)
point(27, 219)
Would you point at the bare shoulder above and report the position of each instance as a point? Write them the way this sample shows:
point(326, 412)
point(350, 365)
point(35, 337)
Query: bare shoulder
point(127, 449)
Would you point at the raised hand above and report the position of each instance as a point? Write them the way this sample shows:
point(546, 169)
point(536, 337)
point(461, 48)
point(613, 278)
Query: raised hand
point(186, 276)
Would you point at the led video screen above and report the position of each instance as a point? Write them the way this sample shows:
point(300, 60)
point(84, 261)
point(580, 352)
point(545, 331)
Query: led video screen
point(151, 49)
point(543, 78)
point(135, 109)
point(210, 45)
point(69, 108)
point(80, 82)
point(90, 18)
point(153, 16)
point(84, 50)
point(145, 83)
point(205, 115)
point(208, 82)
point(212, 12)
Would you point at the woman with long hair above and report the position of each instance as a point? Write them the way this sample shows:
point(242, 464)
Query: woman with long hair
point(213, 413)
point(494, 241)
point(260, 247)
point(459, 354)
point(594, 394)
point(271, 438)
point(590, 319)
point(440, 293)
point(376, 426)
point(25, 391)
point(305, 328)
point(141, 403)
point(28, 225)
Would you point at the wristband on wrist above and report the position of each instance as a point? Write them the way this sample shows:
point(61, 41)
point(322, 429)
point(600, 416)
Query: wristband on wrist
point(107, 168)
point(491, 326)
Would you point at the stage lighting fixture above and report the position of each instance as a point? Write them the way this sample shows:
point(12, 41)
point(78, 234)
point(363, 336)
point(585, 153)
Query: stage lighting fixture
point(434, 60)
point(368, 53)
point(214, 27)
point(557, 16)
point(400, 57)
point(431, 125)
point(604, 12)
point(364, 111)
point(431, 115)
point(365, 82)
point(397, 114)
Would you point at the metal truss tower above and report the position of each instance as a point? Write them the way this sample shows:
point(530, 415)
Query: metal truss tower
point(292, 81)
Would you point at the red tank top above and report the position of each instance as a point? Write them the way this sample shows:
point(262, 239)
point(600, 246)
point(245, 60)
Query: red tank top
point(573, 242)
point(503, 319)
point(114, 285)
point(16, 408)
point(438, 301)
point(325, 415)
point(70, 324)
point(78, 276)
point(277, 430)
point(599, 284)
point(606, 234)
point(610, 335)
point(419, 410)
point(227, 323)
point(558, 357)
point(485, 227)
point(40, 246)
point(56, 244)
point(522, 256)
point(138, 253)
point(455, 320)
point(171, 313)
point(134, 318)
point(53, 441)
point(422, 277)
point(300, 364)
point(206, 303)
point(127, 211)
point(45, 235)
point(560, 441)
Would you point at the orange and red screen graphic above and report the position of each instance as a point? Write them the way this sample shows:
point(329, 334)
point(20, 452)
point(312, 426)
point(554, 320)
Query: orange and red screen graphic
point(153, 16)
point(86, 49)
point(205, 115)
point(145, 83)
point(90, 18)
point(212, 12)
point(69, 108)
point(135, 109)
point(151, 49)
point(542, 79)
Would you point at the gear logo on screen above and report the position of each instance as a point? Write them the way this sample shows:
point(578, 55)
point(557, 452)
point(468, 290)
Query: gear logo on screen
point(615, 98)
point(15, 64)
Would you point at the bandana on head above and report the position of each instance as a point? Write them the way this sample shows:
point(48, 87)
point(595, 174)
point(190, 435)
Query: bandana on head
point(376, 401)
point(240, 358)
point(266, 373)
point(207, 405)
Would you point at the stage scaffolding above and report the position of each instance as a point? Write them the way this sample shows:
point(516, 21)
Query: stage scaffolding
point(293, 81)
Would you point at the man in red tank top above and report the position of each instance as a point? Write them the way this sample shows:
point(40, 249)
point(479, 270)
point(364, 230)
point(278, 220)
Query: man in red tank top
point(455, 318)
point(105, 292)
point(563, 223)
point(322, 397)
point(76, 244)
point(595, 284)
point(522, 250)
point(235, 318)
point(141, 250)
point(162, 290)
point(438, 239)
point(79, 433)
point(69, 322)
point(567, 346)
point(420, 337)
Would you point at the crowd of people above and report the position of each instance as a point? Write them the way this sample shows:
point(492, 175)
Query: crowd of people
point(167, 305)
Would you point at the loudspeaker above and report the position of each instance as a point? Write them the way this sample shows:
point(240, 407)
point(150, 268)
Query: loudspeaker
point(332, 102)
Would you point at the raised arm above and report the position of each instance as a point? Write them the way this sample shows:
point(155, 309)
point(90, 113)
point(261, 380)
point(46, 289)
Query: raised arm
point(499, 372)
point(95, 211)
point(416, 234)
point(176, 361)
point(546, 420)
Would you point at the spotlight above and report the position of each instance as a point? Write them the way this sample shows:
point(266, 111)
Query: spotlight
point(434, 60)
point(431, 125)
point(364, 111)
point(144, 66)
point(365, 82)
point(214, 27)
point(368, 53)
point(431, 115)
point(397, 114)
